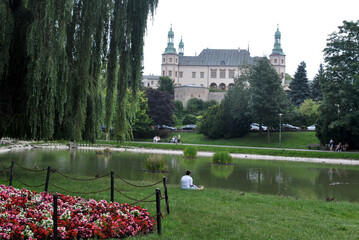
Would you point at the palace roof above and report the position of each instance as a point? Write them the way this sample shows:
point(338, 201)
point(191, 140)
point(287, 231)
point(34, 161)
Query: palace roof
point(218, 57)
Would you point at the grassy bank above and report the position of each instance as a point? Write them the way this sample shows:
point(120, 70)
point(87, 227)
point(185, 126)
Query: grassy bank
point(272, 152)
point(225, 214)
point(295, 140)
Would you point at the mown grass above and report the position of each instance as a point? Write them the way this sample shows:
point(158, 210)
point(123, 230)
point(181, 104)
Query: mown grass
point(224, 214)
point(295, 140)
point(271, 152)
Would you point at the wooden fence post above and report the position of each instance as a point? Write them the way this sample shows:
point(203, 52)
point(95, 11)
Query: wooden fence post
point(12, 172)
point(54, 217)
point(158, 210)
point(112, 186)
point(47, 178)
point(166, 194)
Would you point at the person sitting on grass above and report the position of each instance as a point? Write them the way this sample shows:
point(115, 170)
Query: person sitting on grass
point(187, 182)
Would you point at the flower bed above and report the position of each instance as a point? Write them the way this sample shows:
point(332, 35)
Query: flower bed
point(27, 214)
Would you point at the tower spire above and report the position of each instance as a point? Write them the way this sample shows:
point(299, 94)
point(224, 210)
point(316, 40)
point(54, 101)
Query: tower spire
point(170, 45)
point(277, 42)
point(181, 48)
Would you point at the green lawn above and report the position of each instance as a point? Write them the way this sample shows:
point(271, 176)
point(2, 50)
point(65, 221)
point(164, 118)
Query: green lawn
point(290, 140)
point(224, 214)
point(296, 140)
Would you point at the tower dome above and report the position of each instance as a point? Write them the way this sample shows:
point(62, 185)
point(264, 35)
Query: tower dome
point(181, 48)
point(277, 43)
point(171, 33)
point(170, 45)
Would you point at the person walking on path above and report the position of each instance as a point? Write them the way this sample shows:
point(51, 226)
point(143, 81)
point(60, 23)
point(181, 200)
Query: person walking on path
point(331, 144)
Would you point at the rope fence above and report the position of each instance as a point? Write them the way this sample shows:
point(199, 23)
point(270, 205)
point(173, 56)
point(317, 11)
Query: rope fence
point(83, 179)
point(112, 188)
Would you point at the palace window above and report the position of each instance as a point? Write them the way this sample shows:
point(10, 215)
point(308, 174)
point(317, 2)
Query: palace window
point(170, 73)
point(222, 73)
point(275, 60)
point(176, 73)
point(170, 59)
point(202, 74)
point(181, 74)
point(231, 73)
point(213, 73)
point(282, 60)
point(164, 59)
point(163, 73)
point(193, 74)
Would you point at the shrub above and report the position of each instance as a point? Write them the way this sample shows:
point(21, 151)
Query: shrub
point(189, 119)
point(155, 163)
point(190, 152)
point(162, 133)
point(222, 157)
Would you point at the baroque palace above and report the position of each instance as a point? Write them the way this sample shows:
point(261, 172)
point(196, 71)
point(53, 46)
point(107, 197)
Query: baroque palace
point(214, 68)
point(193, 76)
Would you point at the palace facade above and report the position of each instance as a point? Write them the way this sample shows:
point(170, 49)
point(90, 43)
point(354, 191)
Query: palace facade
point(214, 68)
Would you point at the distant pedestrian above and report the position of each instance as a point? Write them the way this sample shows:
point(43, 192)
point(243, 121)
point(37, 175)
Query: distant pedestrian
point(339, 147)
point(179, 138)
point(331, 144)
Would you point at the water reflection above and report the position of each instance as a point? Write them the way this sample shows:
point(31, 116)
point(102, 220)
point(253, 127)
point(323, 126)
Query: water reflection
point(302, 180)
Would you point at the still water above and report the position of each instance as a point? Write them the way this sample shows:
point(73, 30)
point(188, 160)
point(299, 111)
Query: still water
point(302, 180)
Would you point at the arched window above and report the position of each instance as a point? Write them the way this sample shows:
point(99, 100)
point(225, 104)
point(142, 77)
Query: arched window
point(213, 85)
point(230, 85)
point(222, 86)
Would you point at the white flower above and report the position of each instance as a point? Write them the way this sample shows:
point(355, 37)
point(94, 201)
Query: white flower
point(135, 213)
point(65, 215)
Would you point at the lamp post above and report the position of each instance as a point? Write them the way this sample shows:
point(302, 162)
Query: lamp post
point(280, 129)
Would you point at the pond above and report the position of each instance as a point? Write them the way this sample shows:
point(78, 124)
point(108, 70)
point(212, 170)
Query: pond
point(302, 180)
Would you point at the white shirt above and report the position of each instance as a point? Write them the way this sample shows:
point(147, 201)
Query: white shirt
point(186, 182)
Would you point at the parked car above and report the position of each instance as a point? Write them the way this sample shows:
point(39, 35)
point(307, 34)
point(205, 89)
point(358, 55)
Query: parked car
point(166, 127)
point(311, 128)
point(189, 127)
point(255, 127)
point(290, 127)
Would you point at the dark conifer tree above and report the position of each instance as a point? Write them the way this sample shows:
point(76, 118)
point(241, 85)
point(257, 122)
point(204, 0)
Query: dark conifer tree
point(315, 91)
point(299, 87)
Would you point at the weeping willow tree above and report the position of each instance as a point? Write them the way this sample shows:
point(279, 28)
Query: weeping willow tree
point(52, 53)
point(47, 70)
point(6, 28)
point(132, 18)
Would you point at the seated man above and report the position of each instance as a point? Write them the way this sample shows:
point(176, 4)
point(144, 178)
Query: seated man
point(187, 182)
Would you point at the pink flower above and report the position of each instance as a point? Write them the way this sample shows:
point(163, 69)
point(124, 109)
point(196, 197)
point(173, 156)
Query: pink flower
point(27, 214)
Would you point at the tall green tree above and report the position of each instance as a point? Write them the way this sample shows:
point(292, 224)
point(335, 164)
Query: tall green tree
point(267, 98)
point(211, 124)
point(339, 113)
point(160, 106)
point(315, 91)
point(51, 56)
point(142, 122)
point(15, 22)
point(166, 84)
point(299, 87)
point(47, 71)
point(309, 111)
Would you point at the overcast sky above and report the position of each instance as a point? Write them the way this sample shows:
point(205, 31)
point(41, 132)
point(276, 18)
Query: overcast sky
point(232, 24)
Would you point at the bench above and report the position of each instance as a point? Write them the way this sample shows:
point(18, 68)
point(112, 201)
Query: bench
point(317, 146)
